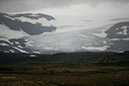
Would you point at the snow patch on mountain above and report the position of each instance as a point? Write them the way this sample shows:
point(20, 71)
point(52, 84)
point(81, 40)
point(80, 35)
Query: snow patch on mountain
point(101, 31)
point(101, 34)
point(29, 43)
point(12, 51)
point(5, 39)
point(126, 39)
point(4, 44)
point(115, 39)
point(22, 51)
point(10, 34)
point(9, 17)
point(95, 48)
point(124, 30)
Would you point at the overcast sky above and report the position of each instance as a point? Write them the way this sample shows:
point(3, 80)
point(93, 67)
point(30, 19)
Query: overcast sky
point(27, 5)
point(86, 10)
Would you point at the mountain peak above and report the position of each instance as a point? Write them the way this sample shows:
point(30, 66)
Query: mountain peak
point(32, 24)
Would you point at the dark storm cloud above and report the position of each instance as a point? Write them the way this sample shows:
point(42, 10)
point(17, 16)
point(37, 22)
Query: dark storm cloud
point(26, 5)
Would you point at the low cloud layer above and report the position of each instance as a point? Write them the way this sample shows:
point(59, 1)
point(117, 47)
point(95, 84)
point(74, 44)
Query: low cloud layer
point(119, 19)
point(27, 5)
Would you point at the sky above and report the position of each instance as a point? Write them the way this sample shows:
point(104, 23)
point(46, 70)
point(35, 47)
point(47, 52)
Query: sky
point(79, 13)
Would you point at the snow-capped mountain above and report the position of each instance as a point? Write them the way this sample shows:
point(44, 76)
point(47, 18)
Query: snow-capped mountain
point(118, 37)
point(39, 33)
point(114, 37)
point(14, 28)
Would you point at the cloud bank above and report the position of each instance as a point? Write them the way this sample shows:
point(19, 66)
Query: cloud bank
point(27, 5)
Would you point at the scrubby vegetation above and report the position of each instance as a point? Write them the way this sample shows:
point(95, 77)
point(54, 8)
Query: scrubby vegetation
point(64, 74)
point(97, 71)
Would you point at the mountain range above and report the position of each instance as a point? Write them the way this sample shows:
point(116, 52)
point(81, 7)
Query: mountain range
point(39, 33)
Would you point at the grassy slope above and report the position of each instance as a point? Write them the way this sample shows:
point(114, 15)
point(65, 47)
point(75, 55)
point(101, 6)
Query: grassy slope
point(89, 73)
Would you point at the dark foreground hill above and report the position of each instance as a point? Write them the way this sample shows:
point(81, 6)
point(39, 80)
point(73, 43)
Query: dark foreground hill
point(10, 58)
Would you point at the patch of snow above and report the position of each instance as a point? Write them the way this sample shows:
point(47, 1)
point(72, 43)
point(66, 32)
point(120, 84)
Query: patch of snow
point(117, 29)
point(5, 39)
point(101, 34)
point(6, 51)
point(34, 15)
point(10, 34)
point(29, 43)
point(95, 48)
point(32, 55)
point(115, 39)
point(9, 17)
point(119, 33)
point(20, 50)
point(4, 44)
point(126, 39)
point(19, 46)
point(12, 51)
point(124, 32)
point(17, 43)
point(104, 42)
point(37, 52)
point(24, 32)
point(84, 47)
